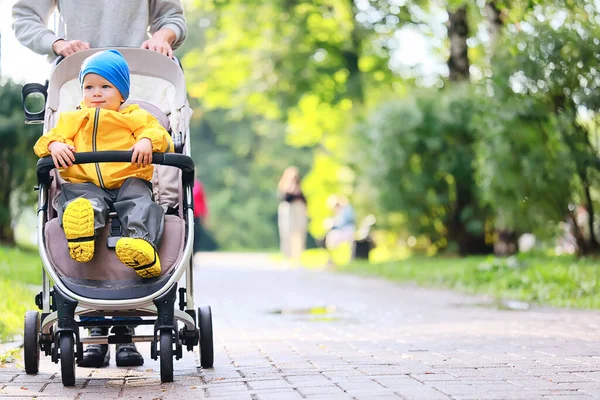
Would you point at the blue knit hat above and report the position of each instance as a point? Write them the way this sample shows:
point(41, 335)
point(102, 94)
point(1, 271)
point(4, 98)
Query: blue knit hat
point(110, 65)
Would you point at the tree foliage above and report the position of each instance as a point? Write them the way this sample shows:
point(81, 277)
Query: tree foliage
point(423, 157)
point(515, 148)
point(302, 68)
point(539, 151)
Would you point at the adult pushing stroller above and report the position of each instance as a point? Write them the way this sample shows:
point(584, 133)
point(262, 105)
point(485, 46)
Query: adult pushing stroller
point(104, 287)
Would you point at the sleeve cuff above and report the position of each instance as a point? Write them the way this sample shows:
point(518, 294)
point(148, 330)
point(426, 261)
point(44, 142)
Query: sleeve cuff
point(178, 33)
point(154, 138)
point(47, 41)
point(41, 146)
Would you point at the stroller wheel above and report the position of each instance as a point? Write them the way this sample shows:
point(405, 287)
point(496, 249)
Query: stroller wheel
point(67, 358)
point(166, 355)
point(31, 345)
point(207, 354)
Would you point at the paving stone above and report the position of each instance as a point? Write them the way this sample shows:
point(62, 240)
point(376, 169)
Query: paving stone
point(433, 377)
point(375, 396)
point(42, 378)
point(23, 389)
point(94, 396)
point(319, 390)
point(279, 394)
point(580, 385)
point(535, 383)
point(397, 382)
point(423, 392)
point(270, 384)
point(362, 385)
point(372, 393)
point(457, 388)
point(309, 380)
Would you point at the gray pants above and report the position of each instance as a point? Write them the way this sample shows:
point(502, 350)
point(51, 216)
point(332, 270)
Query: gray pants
point(140, 216)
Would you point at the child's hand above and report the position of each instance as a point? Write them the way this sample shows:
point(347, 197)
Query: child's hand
point(142, 152)
point(62, 154)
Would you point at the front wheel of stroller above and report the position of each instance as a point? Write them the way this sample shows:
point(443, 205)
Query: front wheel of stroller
point(67, 358)
point(207, 354)
point(31, 345)
point(166, 356)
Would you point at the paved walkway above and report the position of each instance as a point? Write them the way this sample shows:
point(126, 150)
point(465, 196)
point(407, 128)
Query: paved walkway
point(293, 334)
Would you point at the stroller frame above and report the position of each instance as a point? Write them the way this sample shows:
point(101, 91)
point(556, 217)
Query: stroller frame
point(56, 331)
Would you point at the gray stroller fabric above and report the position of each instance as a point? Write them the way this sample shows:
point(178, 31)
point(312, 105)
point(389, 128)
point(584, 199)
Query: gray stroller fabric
point(140, 216)
point(105, 265)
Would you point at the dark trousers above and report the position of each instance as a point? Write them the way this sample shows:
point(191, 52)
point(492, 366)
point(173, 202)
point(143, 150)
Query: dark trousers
point(140, 216)
point(203, 240)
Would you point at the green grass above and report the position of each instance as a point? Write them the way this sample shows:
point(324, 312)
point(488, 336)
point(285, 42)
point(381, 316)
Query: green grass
point(563, 281)
point(18, 269)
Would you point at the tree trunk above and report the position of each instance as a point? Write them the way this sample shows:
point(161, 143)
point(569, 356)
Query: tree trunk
point(492, 15)
point(351, 57)
point(458, 32)
point(582, 247)
point(6, 231)
point(458, 65)
point(468, 242)
point(585, 245)
point(506, 242)
point(592, 244)
point(355, 86)
point(6, 174)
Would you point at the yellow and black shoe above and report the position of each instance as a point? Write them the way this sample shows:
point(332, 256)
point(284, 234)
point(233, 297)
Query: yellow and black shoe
point(78, 224)
point(138, 254)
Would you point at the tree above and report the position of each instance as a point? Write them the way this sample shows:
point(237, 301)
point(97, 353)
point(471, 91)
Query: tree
point(423, 160)
point(545, 85)
point(17, 174)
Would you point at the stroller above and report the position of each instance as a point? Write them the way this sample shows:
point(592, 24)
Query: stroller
point(104, 286)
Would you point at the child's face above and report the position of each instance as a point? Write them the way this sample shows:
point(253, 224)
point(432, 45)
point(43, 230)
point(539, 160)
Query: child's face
point(100, 93)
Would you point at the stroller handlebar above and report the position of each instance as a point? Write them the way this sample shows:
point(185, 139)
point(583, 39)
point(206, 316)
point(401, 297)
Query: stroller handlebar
point(181, 161)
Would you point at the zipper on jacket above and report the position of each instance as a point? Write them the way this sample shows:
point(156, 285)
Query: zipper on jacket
point(94, 134)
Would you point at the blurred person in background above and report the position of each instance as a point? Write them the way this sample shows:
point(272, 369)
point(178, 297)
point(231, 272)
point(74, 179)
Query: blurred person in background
point(200, 212)
point(203, 240)
point(342, 227)
point(291, 213)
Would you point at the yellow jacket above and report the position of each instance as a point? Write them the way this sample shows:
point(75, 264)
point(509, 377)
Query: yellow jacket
point(95, 129)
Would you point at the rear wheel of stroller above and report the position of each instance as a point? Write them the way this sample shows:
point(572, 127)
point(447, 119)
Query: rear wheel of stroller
point(166, 355)
point(31, 345)
point(67, 358)
point(207, 354)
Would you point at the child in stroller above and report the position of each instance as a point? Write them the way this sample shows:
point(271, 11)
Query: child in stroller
point(89, 281)
point(102, 123)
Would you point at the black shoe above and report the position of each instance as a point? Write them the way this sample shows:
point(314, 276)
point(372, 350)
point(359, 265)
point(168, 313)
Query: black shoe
point(128, 356)
point(95, 355)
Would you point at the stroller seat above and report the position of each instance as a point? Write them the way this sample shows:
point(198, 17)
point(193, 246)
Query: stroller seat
point(104, 276)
